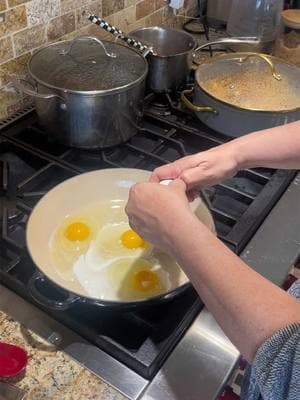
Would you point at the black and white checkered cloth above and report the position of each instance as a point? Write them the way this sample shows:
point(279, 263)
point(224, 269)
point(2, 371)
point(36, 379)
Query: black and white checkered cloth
point(117, 32)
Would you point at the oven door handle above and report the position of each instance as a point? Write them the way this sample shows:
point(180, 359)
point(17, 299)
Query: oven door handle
point(38, 279)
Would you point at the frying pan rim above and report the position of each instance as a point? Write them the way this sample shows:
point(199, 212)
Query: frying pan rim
point(86, 298)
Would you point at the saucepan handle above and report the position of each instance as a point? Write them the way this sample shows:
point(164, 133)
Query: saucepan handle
point(57, 305)
point(230, 40)
point(136, 44)
point(226, 41)
point(194, 107)
point(22, 85)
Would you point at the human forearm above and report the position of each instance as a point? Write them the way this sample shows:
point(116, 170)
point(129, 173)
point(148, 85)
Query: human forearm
point(248, 307)
point(272, 148)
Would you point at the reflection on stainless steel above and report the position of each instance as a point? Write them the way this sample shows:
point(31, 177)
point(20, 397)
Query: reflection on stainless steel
point(276, 245)
point(84, 122)
point(110, 370)
point(198, 367)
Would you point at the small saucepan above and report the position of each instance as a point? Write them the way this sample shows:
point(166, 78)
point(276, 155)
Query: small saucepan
point(86, 283)
point(170, 64)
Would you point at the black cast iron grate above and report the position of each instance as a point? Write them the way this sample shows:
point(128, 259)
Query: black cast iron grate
point(30, 165)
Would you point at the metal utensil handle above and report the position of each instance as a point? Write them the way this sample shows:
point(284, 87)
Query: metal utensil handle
point(32, 92)
point(266, 59)
point(81, 38)
point(117, 32)
point(58, 305)
point(236, 40)
point(193, 107)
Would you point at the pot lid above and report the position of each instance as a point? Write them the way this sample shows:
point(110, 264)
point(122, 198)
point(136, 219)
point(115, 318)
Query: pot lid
point(251, 81)
point(87, 64)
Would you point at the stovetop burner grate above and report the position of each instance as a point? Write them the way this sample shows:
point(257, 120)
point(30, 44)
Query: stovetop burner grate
point(30, 166)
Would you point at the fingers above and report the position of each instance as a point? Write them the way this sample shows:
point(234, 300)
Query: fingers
point(169, 171)
point(131, 197)
point(173, 170)
point(192, 195)
point(178, 184)
point(127, 208)
point(197, 178)
point(155, 177)
point(133, 225)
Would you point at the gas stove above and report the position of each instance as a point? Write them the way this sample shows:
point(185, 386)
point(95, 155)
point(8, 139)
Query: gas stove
point(136, 343)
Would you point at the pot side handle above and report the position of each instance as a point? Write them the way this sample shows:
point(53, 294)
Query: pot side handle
point(57, 305)
point(194, 107)
point(17, 83)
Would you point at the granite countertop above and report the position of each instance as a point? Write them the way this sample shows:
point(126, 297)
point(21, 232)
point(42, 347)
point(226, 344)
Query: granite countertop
point(51, 374)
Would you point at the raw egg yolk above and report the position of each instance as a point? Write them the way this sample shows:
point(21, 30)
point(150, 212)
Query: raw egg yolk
point(145, 280)
point(77, 232)
point(132, 240)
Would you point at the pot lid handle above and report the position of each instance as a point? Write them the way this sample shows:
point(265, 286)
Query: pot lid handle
point(66, 51)
point(229, 40)
point(266, 59)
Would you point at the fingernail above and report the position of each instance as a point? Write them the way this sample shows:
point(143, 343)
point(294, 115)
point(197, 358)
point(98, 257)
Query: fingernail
point(166, 182)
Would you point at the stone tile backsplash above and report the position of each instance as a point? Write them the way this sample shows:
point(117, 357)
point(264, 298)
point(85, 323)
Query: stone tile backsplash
point(27, 25)
point(41, 11)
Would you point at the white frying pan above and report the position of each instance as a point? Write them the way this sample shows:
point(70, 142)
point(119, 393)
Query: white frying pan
point(70, 198)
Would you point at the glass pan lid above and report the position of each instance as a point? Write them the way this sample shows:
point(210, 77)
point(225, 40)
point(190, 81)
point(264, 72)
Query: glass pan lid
point(248, 81)
point(86, 66)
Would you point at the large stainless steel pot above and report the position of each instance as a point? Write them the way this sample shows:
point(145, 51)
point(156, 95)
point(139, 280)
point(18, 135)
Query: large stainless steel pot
point(71, 198)
point(169, 66)
point(88, 93)
point(244, 92)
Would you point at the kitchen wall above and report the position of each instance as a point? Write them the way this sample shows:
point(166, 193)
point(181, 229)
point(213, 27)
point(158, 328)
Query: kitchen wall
point(28, 25)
